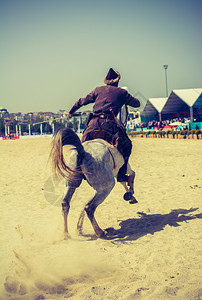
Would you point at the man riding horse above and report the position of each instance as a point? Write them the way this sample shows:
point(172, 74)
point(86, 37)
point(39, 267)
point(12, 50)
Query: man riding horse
point(108, 101)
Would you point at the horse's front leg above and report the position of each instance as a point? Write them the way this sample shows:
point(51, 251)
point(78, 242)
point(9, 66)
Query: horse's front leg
point(90, 210)
point(131, 178)
point(129, 186)
point(124, 184)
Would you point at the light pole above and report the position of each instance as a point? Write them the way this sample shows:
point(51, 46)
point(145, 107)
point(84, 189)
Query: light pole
point(166, 67)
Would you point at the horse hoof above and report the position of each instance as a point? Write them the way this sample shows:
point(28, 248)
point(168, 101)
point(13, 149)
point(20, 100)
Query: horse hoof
point(66, 236)
point(133, 201)
point(105, 235)
point(127, 196)
point(102, 234)
point(79, 232)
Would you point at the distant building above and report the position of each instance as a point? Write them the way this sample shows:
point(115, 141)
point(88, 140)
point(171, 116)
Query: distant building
point(3, 112)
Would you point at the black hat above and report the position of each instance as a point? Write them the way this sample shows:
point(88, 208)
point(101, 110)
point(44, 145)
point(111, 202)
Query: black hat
point(112, 77)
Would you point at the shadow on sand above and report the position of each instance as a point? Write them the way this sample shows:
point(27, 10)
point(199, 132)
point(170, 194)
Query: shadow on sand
point(133, 229)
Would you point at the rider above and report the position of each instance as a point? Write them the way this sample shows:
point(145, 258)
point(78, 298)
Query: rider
point(103, 123)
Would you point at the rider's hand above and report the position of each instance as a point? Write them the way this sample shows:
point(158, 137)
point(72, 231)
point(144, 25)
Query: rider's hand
point(69, 115)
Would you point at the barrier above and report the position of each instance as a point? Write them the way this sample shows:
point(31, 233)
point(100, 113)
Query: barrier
point(6, 138)
point(194, 124)
point(10, 138)
point(36, 136)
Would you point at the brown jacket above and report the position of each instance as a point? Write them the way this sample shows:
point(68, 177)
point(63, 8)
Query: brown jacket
point(106, 98)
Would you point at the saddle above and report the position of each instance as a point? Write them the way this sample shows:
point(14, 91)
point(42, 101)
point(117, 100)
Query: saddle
point(101, 134)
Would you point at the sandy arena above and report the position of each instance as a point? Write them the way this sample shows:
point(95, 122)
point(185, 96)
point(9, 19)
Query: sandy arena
point(155, 254)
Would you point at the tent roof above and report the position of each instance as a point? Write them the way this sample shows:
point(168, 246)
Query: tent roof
point(182, 100)
point(158, 103)
point(154, 106)
point(178, 100)
point(189, 96)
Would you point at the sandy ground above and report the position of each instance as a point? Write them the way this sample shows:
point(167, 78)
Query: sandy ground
point(156, 253)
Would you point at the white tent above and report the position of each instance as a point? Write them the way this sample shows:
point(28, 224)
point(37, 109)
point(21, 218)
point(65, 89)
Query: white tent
point(189, 96)
point(183, 100)
point(154, 106)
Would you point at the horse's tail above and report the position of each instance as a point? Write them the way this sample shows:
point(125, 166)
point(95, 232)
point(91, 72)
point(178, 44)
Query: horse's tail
point(65, 136)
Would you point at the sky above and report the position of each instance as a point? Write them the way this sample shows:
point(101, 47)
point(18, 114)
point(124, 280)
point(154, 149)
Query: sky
point(53, 52)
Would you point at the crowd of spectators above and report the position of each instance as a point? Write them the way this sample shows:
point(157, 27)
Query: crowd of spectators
point(161, 124)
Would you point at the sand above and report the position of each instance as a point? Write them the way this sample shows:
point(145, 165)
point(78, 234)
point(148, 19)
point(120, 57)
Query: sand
point(156, 253)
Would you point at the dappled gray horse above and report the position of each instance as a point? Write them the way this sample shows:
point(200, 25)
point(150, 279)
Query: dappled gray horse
point(96, 161)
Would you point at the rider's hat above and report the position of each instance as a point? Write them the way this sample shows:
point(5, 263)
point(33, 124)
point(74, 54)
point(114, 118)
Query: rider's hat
point(112, 77)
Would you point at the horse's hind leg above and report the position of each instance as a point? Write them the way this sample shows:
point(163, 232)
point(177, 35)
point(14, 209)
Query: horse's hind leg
point(69, 191)
point(70, 187)
point(91, 207)
point(65, 208)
